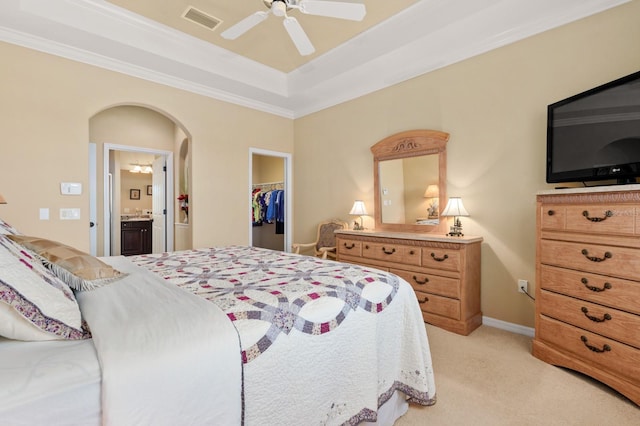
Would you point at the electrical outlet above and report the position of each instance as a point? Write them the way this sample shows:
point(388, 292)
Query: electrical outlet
point(523, 286)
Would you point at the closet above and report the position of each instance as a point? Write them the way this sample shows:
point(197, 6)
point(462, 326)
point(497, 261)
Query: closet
point(268, 202)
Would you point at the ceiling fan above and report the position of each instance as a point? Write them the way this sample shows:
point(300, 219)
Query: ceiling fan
point(332, 9)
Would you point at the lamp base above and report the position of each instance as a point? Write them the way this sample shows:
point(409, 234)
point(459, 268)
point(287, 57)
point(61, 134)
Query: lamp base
point(358, 226)
point(456, 229)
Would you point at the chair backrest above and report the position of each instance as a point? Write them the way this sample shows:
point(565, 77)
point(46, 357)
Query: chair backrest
point(326, 236)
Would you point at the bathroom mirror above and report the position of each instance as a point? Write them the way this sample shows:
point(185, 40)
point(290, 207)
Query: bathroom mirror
point(410, 181)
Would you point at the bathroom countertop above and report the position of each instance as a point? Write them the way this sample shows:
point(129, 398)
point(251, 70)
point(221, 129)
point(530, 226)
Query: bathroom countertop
point(134, 219)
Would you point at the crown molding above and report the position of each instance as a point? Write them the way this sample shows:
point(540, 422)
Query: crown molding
point(91, 58)
point(407, 45)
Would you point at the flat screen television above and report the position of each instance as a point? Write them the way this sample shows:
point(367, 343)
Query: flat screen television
point(595, 135)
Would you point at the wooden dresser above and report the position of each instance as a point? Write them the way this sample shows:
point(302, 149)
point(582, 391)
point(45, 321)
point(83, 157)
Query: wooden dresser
point(443, 271)
point(588, 283)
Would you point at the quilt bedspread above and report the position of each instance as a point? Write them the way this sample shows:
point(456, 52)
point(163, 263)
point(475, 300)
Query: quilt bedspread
point(322, 341)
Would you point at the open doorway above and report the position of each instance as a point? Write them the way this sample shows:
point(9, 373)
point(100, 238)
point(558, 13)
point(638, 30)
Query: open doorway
point(137, 216)
point(122, 137)
point(269, 175)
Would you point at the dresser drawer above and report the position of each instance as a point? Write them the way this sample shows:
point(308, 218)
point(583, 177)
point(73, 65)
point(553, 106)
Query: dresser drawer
point(606, 321)
point(611, 356)
point(608, 260)
point(438, 258)
point(429, 283)
point(396, 253)
point(438, 305)
point(619, 293)
point(602, 219)
point(590, 218)
point(349, 247)
point(553, 217)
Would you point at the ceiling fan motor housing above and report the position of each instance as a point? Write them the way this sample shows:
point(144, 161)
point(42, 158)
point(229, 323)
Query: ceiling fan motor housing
point(270, 3)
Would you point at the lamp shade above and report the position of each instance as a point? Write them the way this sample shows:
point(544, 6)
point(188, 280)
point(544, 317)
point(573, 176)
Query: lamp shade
point(2, 200)
point(455, 208)
point(431, 192)
point(358, 208)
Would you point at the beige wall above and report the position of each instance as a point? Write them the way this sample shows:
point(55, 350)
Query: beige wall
point(139, 181)
point(267, 168)
point(46, 105)
point(494, 107)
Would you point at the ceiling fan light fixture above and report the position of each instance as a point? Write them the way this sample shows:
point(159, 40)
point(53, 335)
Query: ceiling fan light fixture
point(279, 8)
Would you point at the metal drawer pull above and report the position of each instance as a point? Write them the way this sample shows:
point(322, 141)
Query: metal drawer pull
point(551, 212)
point(606, 317)
point(385, 251)
point(592, 348)
point(607, 255)
point(426, 280)
point(607, 286)
point(349, 247)
point(607, 214)
point(425, 300)
point(439, 259)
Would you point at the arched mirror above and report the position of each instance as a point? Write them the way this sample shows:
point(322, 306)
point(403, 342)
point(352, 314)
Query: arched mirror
point(410, 176)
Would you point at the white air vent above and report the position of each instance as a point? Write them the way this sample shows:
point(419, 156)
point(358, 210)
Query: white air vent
point(201, 18)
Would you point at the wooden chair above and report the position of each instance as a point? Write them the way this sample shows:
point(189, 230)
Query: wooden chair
point(325, 244)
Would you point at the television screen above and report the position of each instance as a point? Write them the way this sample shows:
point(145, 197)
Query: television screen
point(595, 135)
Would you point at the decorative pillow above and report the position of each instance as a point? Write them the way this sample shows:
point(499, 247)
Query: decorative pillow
point(5, 228)
point(34, 303)
point(79, 270)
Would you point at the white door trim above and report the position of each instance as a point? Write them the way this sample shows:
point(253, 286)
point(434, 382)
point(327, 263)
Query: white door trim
point(288, 174)
point(93, 199)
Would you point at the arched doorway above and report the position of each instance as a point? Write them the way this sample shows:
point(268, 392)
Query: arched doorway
point(126, 136)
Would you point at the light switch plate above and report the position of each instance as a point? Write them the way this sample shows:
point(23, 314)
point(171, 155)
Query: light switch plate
point(69, 214)
point(70, 188)
point(44, 213)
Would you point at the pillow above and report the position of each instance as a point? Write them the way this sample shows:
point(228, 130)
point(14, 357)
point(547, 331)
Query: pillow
point(5, 228)
point(79, 270)
point(34, 303)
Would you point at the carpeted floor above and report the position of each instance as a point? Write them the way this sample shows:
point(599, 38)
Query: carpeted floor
point(491, 378)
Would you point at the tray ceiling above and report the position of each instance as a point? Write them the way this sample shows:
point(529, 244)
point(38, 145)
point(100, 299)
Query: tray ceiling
point(396, 41)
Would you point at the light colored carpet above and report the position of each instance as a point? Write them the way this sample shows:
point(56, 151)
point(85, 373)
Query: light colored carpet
point(491, 378)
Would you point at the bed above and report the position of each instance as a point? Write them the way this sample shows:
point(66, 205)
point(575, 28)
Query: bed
point(223, 335)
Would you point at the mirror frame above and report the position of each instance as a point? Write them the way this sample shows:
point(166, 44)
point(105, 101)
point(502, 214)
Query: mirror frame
point(411, 143)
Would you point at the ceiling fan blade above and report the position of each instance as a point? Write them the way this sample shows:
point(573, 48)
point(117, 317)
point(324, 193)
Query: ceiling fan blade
point(235, 31)
point(333, 9)
point(299, 37)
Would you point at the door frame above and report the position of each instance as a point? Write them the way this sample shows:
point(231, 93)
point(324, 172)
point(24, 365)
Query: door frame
point(288, 174)
point(93, 204)
point(169, 192)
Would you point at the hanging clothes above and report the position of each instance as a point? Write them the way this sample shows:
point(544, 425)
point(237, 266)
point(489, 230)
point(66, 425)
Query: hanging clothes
point(268, 206)
point(280, 213)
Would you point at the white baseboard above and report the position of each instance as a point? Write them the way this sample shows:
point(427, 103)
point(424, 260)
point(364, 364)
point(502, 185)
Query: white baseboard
point(508, 326)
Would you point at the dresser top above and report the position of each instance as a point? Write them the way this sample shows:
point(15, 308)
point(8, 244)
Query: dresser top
point(591, 189)
point(412, 236)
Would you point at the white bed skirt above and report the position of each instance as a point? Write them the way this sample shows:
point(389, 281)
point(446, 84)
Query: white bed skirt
point(392, 410)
